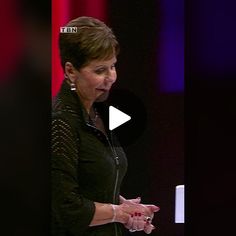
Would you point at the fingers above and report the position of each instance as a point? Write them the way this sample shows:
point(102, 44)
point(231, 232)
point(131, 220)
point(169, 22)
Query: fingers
point(145, 208)
point(139, 225)
point(132, 201)
point(138, 222)
point(130, 206)
point(135, 225)
point(148, 228)
point(129, 223)
point(139, 216)
point(153, 208)
point(136, 200)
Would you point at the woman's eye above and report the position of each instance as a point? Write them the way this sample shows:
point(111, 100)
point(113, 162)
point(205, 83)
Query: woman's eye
point(100, 71)
point(103, 70)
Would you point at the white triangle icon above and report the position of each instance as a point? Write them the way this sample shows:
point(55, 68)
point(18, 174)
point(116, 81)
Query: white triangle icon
point(117, 118)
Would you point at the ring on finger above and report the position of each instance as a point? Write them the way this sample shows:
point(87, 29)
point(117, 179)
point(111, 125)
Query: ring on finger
point(148, 219)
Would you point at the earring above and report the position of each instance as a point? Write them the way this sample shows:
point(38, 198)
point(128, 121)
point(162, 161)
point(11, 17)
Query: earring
point(72, 86)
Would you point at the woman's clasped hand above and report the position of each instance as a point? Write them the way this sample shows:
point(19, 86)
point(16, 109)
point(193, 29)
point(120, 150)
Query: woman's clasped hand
point(136, 216)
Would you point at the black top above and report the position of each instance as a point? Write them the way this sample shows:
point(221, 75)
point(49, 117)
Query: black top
point(87, 167)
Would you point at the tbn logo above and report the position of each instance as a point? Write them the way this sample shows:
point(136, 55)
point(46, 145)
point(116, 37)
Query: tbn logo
point(68, 29)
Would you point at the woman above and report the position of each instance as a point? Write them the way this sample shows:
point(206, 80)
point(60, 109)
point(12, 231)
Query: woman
point(88, 164)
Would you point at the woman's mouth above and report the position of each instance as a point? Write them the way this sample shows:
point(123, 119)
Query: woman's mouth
point(103, 94)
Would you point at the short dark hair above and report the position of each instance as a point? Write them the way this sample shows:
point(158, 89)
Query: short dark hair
point(94, 40)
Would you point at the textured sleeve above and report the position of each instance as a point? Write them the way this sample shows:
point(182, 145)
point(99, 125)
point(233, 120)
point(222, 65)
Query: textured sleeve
point(71, 212)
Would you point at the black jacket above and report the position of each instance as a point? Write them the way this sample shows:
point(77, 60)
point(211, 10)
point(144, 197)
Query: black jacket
point(87, 166)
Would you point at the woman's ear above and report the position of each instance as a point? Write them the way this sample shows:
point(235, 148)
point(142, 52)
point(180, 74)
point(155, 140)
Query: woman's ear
point(70, 72)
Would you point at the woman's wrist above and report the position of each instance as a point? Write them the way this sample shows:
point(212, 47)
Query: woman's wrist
point(114, 212)
point(121, 215)
point(118, 214)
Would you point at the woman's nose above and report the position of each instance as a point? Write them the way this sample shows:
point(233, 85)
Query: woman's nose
point(111, 76)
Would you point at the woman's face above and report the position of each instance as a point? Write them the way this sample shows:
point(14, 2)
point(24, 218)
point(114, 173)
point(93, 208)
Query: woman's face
point(95, 80)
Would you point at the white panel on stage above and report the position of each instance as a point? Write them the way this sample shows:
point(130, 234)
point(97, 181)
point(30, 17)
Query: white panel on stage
point(179, 204)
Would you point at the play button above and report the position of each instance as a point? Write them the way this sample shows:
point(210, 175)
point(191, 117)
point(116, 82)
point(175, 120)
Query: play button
point(117, 118)
point(126, 116)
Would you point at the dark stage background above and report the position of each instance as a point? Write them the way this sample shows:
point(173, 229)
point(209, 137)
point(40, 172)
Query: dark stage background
point(156, 159)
